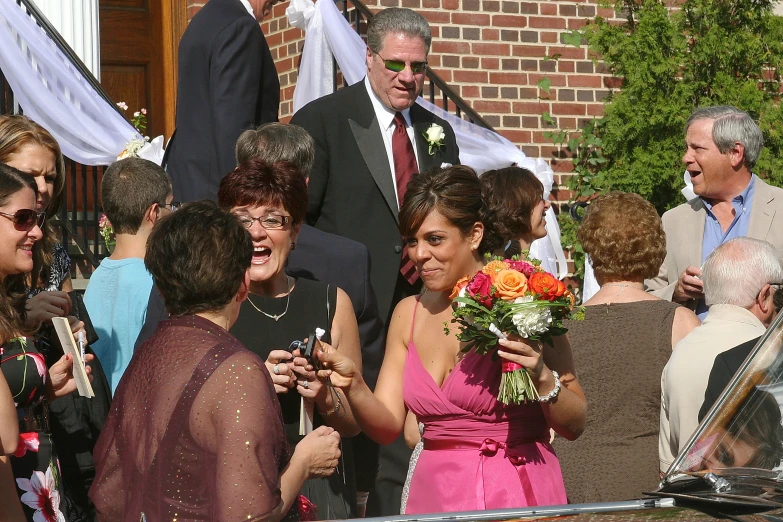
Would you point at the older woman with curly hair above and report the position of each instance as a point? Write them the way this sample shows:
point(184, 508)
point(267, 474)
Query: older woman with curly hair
point(620, 349)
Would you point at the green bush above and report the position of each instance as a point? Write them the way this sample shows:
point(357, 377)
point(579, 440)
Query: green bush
point(671, 61)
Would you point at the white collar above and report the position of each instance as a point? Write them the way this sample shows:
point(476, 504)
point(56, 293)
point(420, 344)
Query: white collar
point(384, 114)
point(249, 7)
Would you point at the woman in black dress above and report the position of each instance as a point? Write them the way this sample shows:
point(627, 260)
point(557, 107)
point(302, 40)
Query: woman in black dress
point(271, 201)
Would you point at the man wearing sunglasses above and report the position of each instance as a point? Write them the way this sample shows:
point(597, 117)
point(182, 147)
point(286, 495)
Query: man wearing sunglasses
point(370, 139)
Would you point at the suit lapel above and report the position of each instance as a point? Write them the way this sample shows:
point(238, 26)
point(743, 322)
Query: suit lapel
point(761, 211)
point(367, 132)
point(693, 237)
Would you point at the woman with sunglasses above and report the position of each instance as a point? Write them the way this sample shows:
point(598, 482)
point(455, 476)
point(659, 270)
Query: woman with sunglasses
point(281, 312)
point(31, 382)
point(75, 421)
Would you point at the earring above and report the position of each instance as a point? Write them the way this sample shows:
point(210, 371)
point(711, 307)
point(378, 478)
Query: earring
point(293, 245)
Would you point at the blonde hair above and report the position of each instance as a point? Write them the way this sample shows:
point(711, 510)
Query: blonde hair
point(17, 131)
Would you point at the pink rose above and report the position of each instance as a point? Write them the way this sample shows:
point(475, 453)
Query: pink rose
point(521, 266)
point(479, 288)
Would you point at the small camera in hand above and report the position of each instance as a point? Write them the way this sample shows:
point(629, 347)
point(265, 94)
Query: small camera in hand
point(307, 350)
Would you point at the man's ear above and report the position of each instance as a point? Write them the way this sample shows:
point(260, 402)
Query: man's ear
point(737, 155)
point(764, 300)
point(152, 214)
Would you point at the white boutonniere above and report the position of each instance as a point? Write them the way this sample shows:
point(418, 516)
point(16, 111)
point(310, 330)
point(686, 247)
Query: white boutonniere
point(434, 136)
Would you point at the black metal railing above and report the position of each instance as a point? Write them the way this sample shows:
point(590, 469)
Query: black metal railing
point(80, 211)
point(437, 90)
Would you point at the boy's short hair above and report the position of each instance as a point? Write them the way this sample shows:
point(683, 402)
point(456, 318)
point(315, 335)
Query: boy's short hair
point(129, 187)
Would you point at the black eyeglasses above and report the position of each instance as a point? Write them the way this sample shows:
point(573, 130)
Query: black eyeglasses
point(173, 206)
point(399, 65)
point(269, 222)
point(26, 218)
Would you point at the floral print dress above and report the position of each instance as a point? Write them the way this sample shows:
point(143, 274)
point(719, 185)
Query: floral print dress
point(34, 463)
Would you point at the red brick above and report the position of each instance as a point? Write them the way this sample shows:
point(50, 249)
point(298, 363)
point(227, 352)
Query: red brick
point(571, 53)
point(548, 37)
point(437, 17)
point(595, 109)
point(548, 9)
point(470, 76)
point(509, 21)
point(273, 40)
point(517, 136)
point(531, 151)
point(193, 9)
point(490, 34)
point(529, 108)
point(470, 19)
point(470, 62)
point(613, 82)
point(431, 4)
point(471, 91)
point(451, 47)
point(411, 4)
point(583, 80)
point(567, 123)
point(556, 80)
point(491, 49)
point(450, 4)
point(565, 66)
point(576, 23)
point(284, 65)
point(536, 51)
point(503, 78)
point(605, 13)
point(541, 22)
point(490, 63)
point(575, 109)
point(528, 93)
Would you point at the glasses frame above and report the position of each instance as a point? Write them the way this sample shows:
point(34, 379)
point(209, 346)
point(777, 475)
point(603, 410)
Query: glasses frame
point(247, 221)
point(40, 219)
point(422, 66)
point(171, 207)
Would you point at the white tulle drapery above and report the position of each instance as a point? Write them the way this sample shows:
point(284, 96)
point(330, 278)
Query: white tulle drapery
point(328, 34)
point(52, 92)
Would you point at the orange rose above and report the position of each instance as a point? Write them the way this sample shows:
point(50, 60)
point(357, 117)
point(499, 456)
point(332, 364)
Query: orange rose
point(510, 284)
point(493, 268)
point(546, 285)
point(462, 283)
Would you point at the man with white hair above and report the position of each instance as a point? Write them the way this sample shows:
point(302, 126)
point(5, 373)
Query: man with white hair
point(740, 277)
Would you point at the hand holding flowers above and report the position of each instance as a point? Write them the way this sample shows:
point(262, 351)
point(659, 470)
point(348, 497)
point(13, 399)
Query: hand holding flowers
point(519, 298)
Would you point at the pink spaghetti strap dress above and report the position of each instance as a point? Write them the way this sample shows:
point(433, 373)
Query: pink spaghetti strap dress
point(478, 453)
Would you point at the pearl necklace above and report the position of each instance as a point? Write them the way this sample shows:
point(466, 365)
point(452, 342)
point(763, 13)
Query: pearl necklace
point(287, 301)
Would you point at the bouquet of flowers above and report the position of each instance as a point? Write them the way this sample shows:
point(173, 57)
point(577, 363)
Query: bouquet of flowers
point(514, 296)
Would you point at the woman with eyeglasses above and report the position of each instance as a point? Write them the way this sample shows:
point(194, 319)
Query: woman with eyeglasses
point(281, 312)
point(33, 384)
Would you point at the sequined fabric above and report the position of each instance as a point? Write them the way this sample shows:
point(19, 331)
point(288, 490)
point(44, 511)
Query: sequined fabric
point(195, 432)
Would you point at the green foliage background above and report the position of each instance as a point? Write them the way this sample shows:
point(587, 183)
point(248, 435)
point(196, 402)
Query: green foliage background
point(671, 61)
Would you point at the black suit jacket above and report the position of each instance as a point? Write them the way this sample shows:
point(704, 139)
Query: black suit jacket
point(723, 369)
point(227, 84)
point(351, 189)
point(345, 263)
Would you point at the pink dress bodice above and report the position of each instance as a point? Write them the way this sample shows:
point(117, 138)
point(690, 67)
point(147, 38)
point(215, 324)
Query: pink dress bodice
point(478, 453)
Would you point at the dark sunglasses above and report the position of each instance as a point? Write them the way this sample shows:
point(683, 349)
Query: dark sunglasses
point(26, 218)
point(399, 65)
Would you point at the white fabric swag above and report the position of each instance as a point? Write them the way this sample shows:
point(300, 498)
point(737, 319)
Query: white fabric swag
point(327, 33)
point(51, 91)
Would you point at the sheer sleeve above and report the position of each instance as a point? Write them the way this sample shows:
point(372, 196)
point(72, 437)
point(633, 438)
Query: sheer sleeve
point(108, 482)
point(236, 415)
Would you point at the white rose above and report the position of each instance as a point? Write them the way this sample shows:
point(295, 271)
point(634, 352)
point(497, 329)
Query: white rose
point(531, 321)
point(462, 293)
point(435, 133)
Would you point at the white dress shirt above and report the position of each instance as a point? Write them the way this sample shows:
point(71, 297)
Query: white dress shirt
point(385, 118)
point(249, 7)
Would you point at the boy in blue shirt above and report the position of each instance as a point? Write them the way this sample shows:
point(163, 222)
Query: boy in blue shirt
point(135, 194)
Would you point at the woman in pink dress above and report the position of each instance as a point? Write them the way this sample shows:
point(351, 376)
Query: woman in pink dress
point(478, 453)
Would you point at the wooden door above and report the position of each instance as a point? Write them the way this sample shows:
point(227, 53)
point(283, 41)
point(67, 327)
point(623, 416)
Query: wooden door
point(139, 41)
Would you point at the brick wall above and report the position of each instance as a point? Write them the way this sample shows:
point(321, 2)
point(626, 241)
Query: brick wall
point(493, 53)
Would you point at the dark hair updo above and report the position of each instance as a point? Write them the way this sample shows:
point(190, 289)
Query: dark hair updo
point(455, 192)
point(511, 194)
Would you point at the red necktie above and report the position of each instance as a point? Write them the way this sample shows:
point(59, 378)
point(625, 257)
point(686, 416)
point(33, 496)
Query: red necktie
point(404, 168)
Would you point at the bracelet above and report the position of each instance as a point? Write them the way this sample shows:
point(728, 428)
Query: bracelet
point(555, 391)
point(327, 412)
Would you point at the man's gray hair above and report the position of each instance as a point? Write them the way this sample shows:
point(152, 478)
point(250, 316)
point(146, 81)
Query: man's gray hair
point(273, 142)
point(397, 20)
point(731, 126)
point(737, 270)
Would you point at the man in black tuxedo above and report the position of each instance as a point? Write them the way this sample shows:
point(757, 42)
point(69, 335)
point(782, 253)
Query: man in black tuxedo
point(227, 83)
point(355, 185)
point(370, 138)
